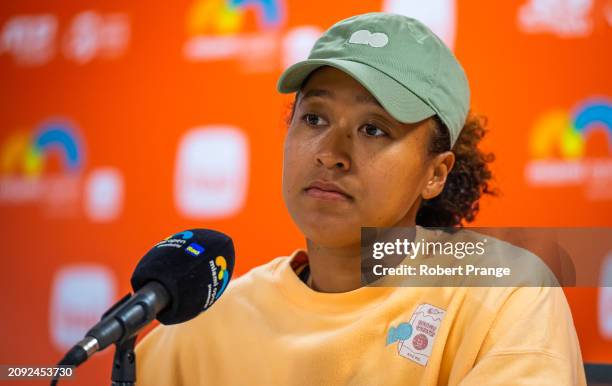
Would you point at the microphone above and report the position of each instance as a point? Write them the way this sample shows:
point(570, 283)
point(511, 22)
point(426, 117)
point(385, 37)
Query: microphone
point(180, 277)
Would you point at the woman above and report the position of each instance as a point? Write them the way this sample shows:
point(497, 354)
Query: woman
point(378, 136)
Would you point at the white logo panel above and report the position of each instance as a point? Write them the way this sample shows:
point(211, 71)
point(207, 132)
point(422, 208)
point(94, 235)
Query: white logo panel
point(80, 294)
point(605, 298)
point(211, 172)
point(104, 194)
point(564, 18)
point(439, 15)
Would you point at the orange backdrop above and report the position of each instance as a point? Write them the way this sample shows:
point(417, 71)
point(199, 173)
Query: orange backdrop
point(123, 122)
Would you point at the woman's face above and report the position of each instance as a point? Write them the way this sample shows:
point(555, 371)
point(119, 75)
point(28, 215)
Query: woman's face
point(341, 138)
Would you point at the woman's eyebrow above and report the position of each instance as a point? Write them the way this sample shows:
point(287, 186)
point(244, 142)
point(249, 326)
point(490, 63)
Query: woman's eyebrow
point(317, 93)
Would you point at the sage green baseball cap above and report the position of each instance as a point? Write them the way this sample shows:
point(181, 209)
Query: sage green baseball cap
point(399, 60)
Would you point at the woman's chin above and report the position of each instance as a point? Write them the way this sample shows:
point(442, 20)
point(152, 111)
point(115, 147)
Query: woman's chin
point(332, 235)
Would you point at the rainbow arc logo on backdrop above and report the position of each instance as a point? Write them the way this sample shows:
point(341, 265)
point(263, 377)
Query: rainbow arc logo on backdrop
point(28, 174)
point(218, 31)
point(25, 153)
point(559, 132)
point(226, 17)
point(558, 149)
point(24, 160)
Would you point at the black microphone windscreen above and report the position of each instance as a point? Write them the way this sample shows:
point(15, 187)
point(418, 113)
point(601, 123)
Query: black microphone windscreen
point(194, 266)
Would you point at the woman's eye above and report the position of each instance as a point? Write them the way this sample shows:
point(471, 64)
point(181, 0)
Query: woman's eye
point(373, 131)
point(313, 119)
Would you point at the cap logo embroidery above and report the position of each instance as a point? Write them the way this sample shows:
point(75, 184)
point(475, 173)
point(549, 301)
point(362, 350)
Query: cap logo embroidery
point(363, 36)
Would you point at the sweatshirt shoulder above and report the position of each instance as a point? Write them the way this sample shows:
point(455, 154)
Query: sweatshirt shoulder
point(239, 297)
point(265, 273)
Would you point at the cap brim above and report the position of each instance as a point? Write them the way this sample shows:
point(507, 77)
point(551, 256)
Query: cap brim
point(401, 103)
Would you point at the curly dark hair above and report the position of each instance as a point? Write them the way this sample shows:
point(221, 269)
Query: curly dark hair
point(468, 180)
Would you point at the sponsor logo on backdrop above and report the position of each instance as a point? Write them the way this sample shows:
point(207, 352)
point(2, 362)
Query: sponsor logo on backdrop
point(80, 294)
point(45, 166)
point(104, 194)
point(92, 35)
point(28, 173)
point(439, 15)
point(33, 40)
point(605, 298)
point(30, 39)
point(558, 149)
point(218, 30)
point(564, 18)
point(249, 32)
point(211, 172)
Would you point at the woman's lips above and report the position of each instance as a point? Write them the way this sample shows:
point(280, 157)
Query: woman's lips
point(327, 190)
point(326, 194)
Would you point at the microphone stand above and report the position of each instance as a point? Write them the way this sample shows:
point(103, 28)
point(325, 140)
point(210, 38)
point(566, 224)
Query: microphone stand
point(124, 363)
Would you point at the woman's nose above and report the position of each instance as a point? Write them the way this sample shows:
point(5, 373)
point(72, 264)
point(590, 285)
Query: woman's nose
point(334, 150)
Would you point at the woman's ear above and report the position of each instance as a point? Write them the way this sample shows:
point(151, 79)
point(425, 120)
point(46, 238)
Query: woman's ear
point(440, 167)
